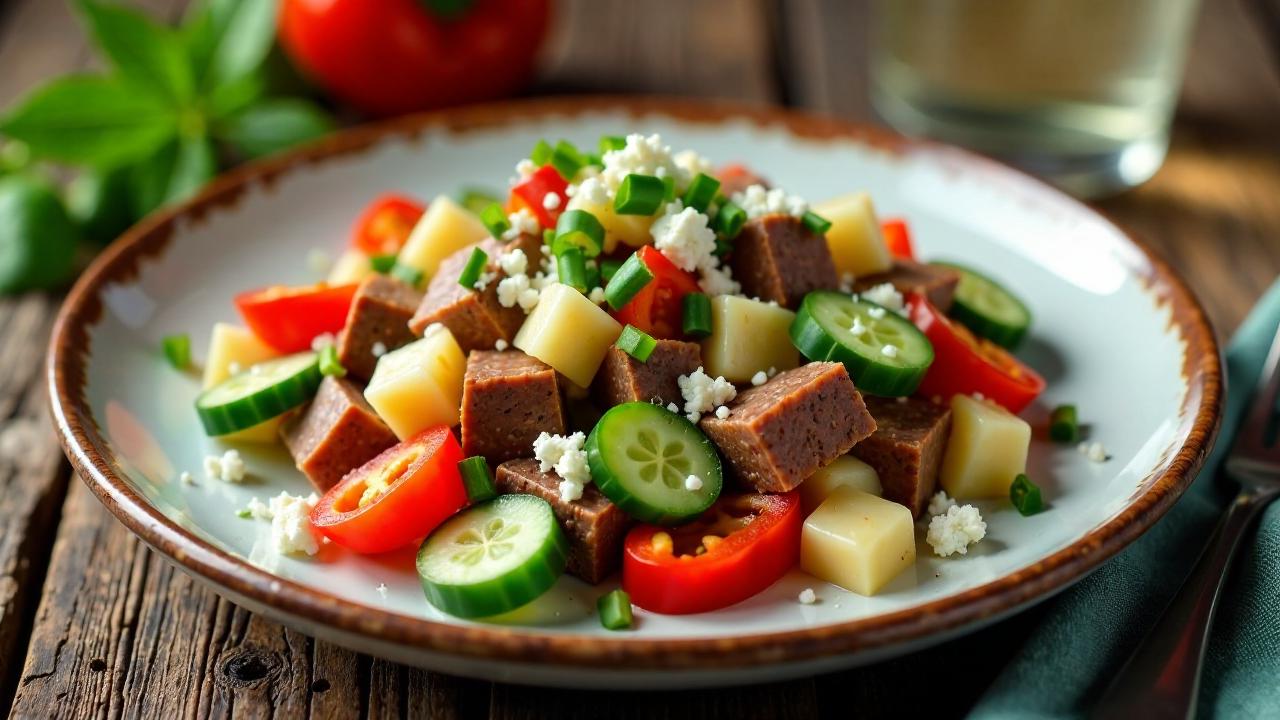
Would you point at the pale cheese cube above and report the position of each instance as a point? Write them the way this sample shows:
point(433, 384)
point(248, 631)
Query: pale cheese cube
point(445, 228)
point(857, 541)
point(351, 267)
point(856, 241)
point(987, 449)
point(568, 332)
point(746, 337)
point(419, 385)
point(630, 230)
point(844, 471)
point(230, 347)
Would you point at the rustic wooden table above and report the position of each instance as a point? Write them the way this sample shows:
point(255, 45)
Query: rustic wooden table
point(92, 623)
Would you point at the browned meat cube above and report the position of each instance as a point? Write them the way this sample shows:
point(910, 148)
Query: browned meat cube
point(781, 432)
point(379, 314)
point(507, 399)
point(906, 448)
point(908, 276)
point(335, 434)
point(737, 178)
point(777, 258)
point(623, 379)
point(475, 317)
point(594, 526)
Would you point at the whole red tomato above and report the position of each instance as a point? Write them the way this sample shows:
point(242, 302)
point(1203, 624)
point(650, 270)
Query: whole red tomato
point(387, 57)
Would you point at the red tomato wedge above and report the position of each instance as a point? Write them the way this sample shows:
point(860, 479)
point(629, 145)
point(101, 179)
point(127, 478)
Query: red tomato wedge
point(532, 193)
point(656, 309)
point(289, 318)
point(385, 225)
point(898, 238)
point(683, 570)
point(397, 498)
point(964, 364)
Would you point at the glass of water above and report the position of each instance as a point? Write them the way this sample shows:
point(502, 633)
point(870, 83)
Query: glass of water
point(1079, 92)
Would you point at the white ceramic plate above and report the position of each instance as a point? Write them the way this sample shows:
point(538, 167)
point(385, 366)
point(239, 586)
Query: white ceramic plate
point(1115, 333)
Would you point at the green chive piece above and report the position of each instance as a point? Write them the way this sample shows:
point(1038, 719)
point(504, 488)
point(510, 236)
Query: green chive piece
point(329, 364)
point(668, 188)
point(412, 276)
point(723, 247)
point(566, 159)
point(572, 269)
point(541, 153)
point(580, 229)
point(815, 222)
point(594, 159)
point(1025, 496)
point(477, 199)
point(244, 514)
point(177, 350)
point(548, 237)
point(636, 343)
point(593, 274)
point(730, 219)
point(612, 142)
point(696, 308)
point(701, 192)
point(615, 610)
point(495, 220)
point(627, 281)
point(609, 268)
point(477, 479)
point(639, 195)
point(474, 268)
point(382, 264)
point(1063, 425)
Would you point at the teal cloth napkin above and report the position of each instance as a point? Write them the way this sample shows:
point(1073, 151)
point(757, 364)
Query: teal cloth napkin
point(1088, 632)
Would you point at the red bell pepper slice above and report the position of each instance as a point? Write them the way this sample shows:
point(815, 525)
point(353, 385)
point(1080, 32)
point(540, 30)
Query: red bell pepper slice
point(657, 309)
point(898, 238)
point(289, 318)
point(385, 224)
point(759, 541)
point(396, 498)
point(532, 193)
point(964, 364)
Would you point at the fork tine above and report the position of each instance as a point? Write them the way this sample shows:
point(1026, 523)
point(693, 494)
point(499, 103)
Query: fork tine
point(1252, 434)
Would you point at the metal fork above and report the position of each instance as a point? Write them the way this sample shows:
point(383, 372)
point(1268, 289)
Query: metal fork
point(1162, 677)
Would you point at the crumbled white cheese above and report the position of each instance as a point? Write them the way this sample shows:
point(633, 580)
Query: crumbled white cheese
point(322, 341)
point(722, 412)
point(682, 235)
point(514, 262)
point(857, 329)
point(483, 281)
point(551, 201)
point(525, 168)
point(591, 192)
point(185, 478)
point(807, 596)
point(1094, 451)
point(690, 163)
point(758, 202)
point(956, 530)
point(672, 407)
point(760, 378)
point(518, 290)
point(259, 510)
point(500, 344)
point(522, 223)
point(642, 156)
point(566, 457)
point(596, 295)
point(379, 348)
point(227, 468)
point(702, 393)
point(772, 371)
point(382, 590)
point(693, 483)
point(718, 281)
point(885, 295)
point(889, 351)
point(876, 313)
point(940, 503)
point(291, 529)
point(570, 491)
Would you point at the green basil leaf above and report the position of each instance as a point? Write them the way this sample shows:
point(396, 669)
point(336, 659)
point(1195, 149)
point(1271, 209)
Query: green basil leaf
point(175, 173)
point(228, 39)
point(274, 125)
point(145, 53)
point(90, 120)
point(233, 96)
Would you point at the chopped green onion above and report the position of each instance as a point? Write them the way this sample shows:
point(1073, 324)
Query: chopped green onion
point(1063, 425)
point(177, 350)
point(730, 219)
point(639, 195)
point(636, 343)
point(329, 364)
point(612, 142)
point(628, 280)
point(668, 188)
point(477, 480)
point(476, 199)
point(697, 314)
point(609, 268)
point(541, 153)
point(548, 237)
point(495, 220)
point(580, 229)
point(593, 274)
point(412, 276)
point(566, 159)
point(723, 247)
point(244, 514)
point(595, 159)
point(572, 269)
point(615, 610)
point(815, 222)
point(701, 192)
point(382, 264)
point(474, 268)
point(1025, 496)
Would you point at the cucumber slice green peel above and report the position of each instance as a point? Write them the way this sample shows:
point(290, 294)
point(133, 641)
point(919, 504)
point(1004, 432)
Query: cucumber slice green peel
point(988, 309)
point(264, 391)
point(837, 327)
point(493, 557)
point(641, 456)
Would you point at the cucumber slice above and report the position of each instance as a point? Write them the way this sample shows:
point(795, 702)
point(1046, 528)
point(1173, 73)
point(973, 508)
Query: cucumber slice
point(641, 456)
point(494, 557)
point(823, 330)
point(985, 307)
point(264, 391)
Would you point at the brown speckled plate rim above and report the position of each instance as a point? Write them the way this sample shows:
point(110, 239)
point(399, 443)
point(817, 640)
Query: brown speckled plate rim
point(90, 454)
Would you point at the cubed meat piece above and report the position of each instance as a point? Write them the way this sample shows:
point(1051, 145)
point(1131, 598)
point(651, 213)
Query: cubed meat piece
point(737, 178)
point(908, 276)
point(906, 448)
point(475, 317)
point(778, 258)
point(335, 434)
point(379, 317)
point(507, 399)
point(594, 526)
point(782, 432)
point(623, 379)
